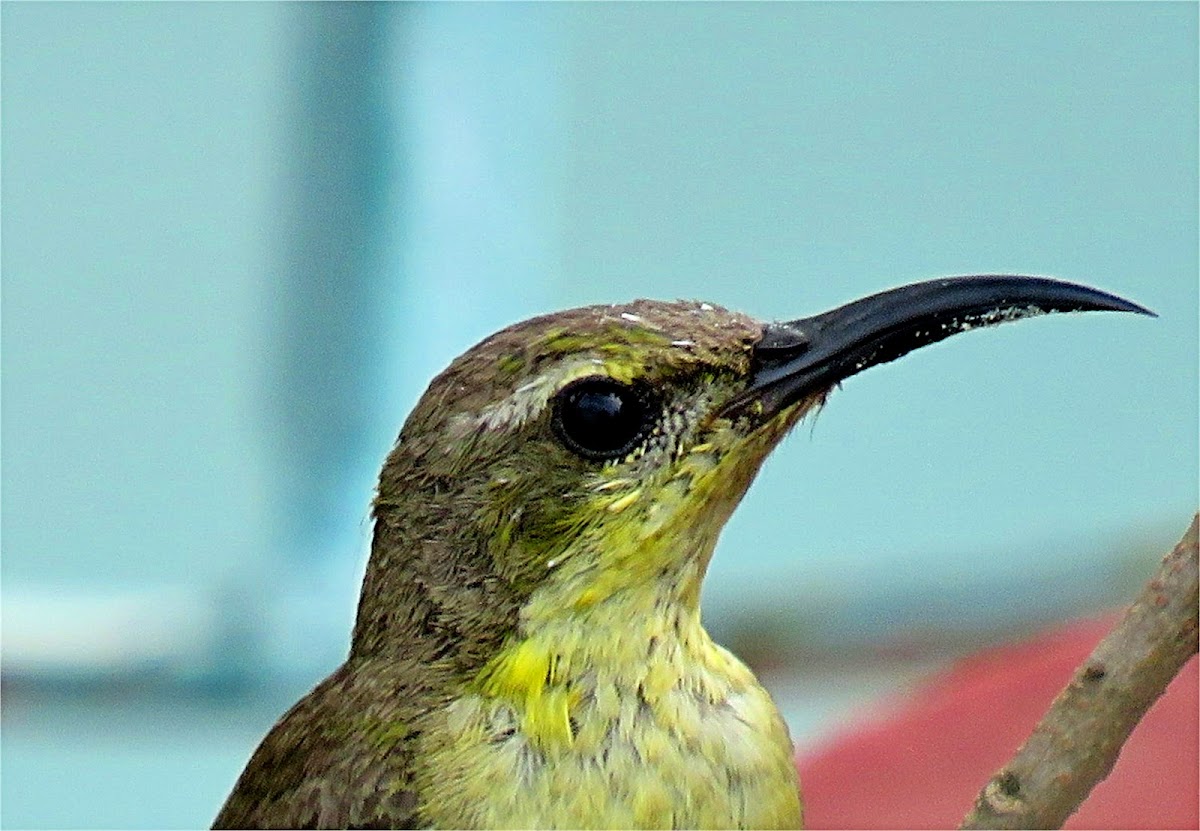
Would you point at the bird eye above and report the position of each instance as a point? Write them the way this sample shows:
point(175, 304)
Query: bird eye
point(599, 418)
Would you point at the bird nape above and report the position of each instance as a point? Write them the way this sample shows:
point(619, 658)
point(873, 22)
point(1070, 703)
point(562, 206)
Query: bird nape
point(528, 649)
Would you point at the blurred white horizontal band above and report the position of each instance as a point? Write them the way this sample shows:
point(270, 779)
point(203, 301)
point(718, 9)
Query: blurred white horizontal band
point(54, 629)
point(298, 629)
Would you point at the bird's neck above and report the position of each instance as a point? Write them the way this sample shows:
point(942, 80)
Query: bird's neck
point(577, 645)
point(610, 690)
point(631, 609)
point(611, 710)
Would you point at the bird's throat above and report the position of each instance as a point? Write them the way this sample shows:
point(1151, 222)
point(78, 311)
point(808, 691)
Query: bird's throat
point(619, 721)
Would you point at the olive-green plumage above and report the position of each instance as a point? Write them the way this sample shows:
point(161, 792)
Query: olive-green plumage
point(528, 649)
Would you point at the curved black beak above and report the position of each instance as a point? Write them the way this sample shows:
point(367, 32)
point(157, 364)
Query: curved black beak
point(804, 357)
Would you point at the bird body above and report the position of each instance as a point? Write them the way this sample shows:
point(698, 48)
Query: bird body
point(528, 650)
point(650, 725)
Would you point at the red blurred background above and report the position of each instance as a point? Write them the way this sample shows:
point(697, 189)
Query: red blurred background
point(920, 762)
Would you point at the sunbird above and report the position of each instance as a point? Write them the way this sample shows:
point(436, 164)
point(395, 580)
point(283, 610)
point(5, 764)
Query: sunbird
point(528, 650)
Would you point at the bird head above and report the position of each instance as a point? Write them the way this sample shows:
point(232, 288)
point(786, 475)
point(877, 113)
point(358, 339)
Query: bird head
point(591, 457)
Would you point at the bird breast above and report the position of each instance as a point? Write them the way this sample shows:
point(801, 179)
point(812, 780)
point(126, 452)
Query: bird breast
point(681, 736)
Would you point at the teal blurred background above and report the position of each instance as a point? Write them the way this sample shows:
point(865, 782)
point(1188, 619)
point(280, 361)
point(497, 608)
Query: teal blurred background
point(239, 238)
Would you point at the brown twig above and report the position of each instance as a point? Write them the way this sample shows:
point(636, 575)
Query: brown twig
point(1077, 742)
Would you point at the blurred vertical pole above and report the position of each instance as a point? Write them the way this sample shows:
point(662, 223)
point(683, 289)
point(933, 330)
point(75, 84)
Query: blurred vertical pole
point(329, 310)
point(328, 302)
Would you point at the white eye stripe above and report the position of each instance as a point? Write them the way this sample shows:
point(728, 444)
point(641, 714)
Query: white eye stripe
point(527, 401)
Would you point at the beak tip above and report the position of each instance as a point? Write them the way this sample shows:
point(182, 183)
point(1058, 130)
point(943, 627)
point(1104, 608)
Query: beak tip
point(1135, 308)
point(1107, 302)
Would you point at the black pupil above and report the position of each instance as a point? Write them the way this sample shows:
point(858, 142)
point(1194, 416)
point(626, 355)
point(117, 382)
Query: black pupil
point(600, 419)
